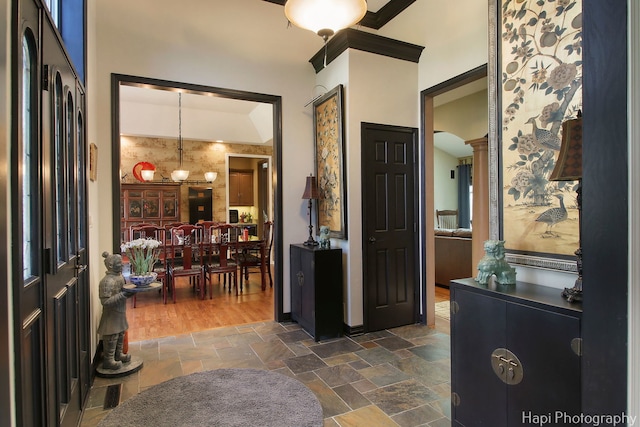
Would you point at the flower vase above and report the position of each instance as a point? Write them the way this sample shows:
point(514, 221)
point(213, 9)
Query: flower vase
point(143, 280)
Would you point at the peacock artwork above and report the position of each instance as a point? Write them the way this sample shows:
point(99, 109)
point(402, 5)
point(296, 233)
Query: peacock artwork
point(541, 87)
point(329, 162)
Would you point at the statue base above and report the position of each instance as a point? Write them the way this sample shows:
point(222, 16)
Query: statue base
point(134, 365)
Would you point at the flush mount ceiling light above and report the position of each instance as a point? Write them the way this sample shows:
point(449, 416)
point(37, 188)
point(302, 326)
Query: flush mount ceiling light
point(325, 17)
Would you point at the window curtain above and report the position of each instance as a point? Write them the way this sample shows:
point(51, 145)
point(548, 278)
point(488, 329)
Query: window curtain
point(464, 207)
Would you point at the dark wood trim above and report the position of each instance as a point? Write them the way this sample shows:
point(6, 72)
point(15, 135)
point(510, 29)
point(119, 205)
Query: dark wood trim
point(375, 20)
point(426, 109)
point(605, 190)
point(457, 81)
point(352, 331)
point(367, 42)
point(274, 100)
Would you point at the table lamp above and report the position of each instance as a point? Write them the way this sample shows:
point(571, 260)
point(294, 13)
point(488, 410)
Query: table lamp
point(310, 193)
point(569, 168)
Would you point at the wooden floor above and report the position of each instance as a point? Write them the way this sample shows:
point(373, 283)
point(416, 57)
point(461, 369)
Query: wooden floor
point(152, 319)
point(442, 293)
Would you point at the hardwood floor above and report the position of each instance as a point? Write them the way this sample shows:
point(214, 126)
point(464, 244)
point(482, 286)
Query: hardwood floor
point(442, 293)
point(152, 319)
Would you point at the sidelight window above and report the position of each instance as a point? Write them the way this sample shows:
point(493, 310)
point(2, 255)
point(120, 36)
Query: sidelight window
point(29, 160)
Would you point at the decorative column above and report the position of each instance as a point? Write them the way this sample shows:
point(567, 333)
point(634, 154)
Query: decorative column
point(480, 199)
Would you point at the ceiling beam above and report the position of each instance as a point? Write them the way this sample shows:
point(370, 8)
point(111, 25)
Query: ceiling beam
point(367, 42)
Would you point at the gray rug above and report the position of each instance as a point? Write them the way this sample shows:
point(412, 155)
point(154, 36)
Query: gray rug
point(222, 397)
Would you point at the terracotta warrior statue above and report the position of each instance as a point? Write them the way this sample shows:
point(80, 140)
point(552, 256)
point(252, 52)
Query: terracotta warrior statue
point(113, 322)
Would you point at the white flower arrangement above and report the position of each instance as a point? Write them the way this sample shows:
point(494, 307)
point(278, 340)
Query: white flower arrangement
point(142, 254)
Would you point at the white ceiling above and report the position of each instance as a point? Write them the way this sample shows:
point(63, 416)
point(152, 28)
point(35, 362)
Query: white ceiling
point(147, 112)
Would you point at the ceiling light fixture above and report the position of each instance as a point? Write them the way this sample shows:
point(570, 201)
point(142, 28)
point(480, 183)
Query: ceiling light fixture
point(180, 174)
point(325, 17)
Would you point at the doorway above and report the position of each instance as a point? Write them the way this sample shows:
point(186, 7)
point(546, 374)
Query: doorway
point(448, 90)
point(271, 102)
point(200, 204)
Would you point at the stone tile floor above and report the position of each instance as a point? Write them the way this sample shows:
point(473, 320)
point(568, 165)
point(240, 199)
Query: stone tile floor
point(397, 377)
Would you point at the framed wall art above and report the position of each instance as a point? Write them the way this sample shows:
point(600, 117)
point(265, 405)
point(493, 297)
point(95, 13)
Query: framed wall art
point(536, 80)
point(93, 161)
point(329, 154)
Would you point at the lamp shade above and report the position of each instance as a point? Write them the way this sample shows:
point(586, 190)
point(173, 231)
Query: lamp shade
point(179, 175)
point(322, 15)
point(147, 174)
point(311, 188)
point(569, 164)
point(210, 176)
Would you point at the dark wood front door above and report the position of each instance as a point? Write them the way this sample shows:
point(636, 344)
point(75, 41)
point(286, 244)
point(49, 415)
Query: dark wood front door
point(389, 225)
point(52, 340)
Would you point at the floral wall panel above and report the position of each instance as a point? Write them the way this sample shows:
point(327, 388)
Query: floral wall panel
point(540, 87)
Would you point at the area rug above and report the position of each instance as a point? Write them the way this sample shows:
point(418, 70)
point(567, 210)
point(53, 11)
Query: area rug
point(222, 397)
point(443, 310)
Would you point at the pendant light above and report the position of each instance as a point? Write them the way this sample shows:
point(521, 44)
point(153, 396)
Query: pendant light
point(325, 17)
point(179, 174)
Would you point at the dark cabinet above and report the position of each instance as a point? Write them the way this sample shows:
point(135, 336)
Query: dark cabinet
point(240, 187)
point(515, 354)
point(157, 204)
point(316, 290)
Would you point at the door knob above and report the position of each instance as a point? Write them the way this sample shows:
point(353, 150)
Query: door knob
point(372, 239)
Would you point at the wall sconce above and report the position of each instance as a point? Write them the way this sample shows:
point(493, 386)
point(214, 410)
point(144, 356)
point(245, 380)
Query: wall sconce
point(210, 176)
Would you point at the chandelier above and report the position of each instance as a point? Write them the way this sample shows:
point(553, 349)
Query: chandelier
point(325, 17)
point(179, 174)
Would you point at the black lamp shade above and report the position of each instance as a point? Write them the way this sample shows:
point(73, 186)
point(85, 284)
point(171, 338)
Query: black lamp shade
point(569, 164)
point(311, 188)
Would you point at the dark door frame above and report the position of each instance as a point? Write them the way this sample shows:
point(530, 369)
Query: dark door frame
point(425, 155)
point(276, 102)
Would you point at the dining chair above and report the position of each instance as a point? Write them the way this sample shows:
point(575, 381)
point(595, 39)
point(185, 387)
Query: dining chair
point(221, 253)
point(251, 258)
point(207, 228)
point(447, 219)
point(150, 231)
point(184, 256)
point(137, 226)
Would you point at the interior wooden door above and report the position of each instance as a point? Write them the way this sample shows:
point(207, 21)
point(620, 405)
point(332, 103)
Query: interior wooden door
point(389, 225)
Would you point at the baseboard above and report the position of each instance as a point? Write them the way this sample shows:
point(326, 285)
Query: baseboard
point(352, 331)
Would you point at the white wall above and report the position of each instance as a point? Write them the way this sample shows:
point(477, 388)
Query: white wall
point(381, 90)
point(445, 191)
point(455, 37)
point(151, 40)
